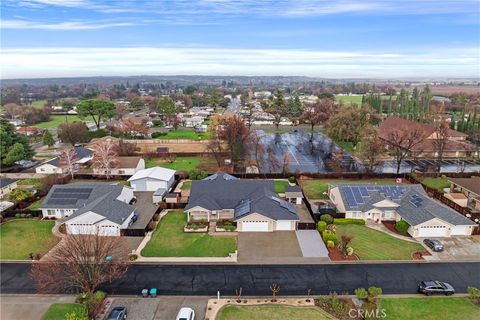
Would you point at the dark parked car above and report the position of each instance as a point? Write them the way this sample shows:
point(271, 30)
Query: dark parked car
point(435, 287)
point(118, 313)
point(435, 245)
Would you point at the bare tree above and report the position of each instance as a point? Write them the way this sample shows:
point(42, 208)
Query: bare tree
point(318, 113)
point(13, 110)
point(277, 108)
point(126, 148)
point(285, 163)
point(131, 128)
point(275, 288)
point(372, 149)
point(441, 136)
point(105, 156)
point(272, 160)
point(258, 148)
point(238, 293)
point(402, 139)
point(68, 158)
point(248, 115)
point(81, 263)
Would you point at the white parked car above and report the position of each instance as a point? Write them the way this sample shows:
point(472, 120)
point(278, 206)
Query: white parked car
point(186, 314)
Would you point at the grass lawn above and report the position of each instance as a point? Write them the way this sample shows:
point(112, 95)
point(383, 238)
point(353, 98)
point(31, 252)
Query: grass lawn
point(271, 312)
point(29, 182)
point(59, 310)
point(371, 244)
point(187, 185)
point(169, 240)
point(36, 204)
point(180, 163)
point(430, 308)
point(437, 183)
point(347, 100)
point(315, 189)
point(38, 103)
point(184, 135)
point(19, 238)
point(57, 120)
point(280, 186)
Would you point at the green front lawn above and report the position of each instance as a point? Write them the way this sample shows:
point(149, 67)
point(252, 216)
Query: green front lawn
point(280, 186)
point(315, 189)
point(169, 240)
point(19, 238)
point(58, 311)
point(371, 244)
point(57, 120)
point(186, 185)
point(439, 183)
point(36, 204)
point(430, 308)
point(184, 135)
point(180, 163)
point(271, 312)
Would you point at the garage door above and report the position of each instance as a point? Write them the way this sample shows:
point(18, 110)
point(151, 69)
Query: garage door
point(255, 226)
point(433, 231)
point(284, 225)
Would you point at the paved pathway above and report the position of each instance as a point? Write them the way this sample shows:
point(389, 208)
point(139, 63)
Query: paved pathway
point(311, 244)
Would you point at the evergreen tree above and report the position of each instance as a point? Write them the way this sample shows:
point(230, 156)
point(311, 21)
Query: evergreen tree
point(48, 138)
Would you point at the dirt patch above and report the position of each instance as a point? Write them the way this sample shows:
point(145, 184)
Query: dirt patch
point(338, 307)
point(335, 254)
point(391, 226)
point(419, 255)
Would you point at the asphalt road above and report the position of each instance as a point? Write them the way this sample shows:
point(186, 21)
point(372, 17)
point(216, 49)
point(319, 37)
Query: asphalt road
point(394, 278)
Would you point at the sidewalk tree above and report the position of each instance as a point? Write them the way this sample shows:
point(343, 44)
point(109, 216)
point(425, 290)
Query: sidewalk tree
point(47, 138)
point(98, 110)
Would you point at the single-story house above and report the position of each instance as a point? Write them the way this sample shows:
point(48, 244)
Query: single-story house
point(426, 216)
point(126, 166)
point(28, 131)
point(470, 187)
point(7, 186)
point(91, 208)
point(84, 155)
point(252, 204)
point(294, 194)
point(153, 179)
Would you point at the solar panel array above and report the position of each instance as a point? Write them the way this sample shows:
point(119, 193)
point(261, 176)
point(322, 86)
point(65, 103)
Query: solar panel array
point(285, 204)
point(416, 200)
point(355, 195)
point(243, 208)
point(69, 196)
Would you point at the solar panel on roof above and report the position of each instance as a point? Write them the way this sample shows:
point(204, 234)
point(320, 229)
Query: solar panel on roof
point(363, 191)
point(287, 205)
point(62, 201)
point(243, 208)
point(357, 195)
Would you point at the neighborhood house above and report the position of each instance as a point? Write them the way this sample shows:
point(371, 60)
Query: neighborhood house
point(55, 165)
point(468, 189)
point(125, 166)
point(7, 186)
point(156, 179)
point(91, 208)
point(426, 217)
point(252, 204)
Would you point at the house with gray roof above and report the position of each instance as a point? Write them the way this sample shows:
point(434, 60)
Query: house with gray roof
point(409, 202)
point(252, 204)
point(55, 165)
point(91, 208)
point(7, 186)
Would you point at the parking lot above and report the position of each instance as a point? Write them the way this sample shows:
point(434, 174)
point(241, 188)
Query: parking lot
point(456, 248)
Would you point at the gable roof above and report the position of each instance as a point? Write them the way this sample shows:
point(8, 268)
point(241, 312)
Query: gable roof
point(100, 198)
point(414, 205)
point(128, 162)
point(81, 153)
point(223, 191)
point(472, 184)
point(157, 173)
point(5, 182)
point(393, 122)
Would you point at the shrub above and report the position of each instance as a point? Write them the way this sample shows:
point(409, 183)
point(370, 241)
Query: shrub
point(350, 251)
point(158, 134)
point(158, 123)
point(132, 257)
point(330, 244)
point(196, 174)
point(474, 294)
point(80, 314)
point(151, 225)
point(328, 235)
point(19, 195)
point(402, 226)
point(374, 292)
point(292, 179)
point(361, 293)
point(321, 226)
point(327, 218)
point(348, 221)
point(18, 215)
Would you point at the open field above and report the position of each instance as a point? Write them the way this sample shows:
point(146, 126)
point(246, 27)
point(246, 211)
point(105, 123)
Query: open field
point(57, 120)
point(180, 163)
point(317, 189)
point(429, 308)
point(371, 244)
point(347, 100)
point(169, 240)
point(183, 135)
point(271, 312)
point(19, 238)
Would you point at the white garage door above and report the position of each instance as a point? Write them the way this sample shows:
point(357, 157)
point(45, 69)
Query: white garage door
point(255, 226)
point(284, 225)
point(461, 231)
point(433, 231)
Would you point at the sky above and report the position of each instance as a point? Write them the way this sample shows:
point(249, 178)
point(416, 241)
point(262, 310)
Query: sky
point(388, 39)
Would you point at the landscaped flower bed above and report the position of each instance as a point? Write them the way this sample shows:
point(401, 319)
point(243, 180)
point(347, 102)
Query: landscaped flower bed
point(225, 226)
point(199, 226)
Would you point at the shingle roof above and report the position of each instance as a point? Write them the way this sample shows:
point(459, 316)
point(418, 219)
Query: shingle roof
point(100, 198)
point(425, 210)
point(5, 182)
point(80, 151)
point(223, 191)
point(128, 162)
point(157, 173)
point(472, 184)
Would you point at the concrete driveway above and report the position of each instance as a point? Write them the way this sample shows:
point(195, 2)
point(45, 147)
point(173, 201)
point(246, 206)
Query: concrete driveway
point(456, 248)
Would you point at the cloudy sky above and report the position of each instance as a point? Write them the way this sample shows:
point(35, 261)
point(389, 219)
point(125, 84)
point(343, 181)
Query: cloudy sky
point(320, 38)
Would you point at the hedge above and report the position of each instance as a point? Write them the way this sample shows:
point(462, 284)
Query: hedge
point(348, 221)
point(321, 226)
point(327, 218)
point(402, 226)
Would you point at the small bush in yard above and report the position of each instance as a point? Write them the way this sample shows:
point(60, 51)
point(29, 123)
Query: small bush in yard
point(474, 294)
point(340, 221)
point(292, 179)
point(350, 251)
point(361, 293)
point(328, 235)
point(327, 218)
point(321, 226)
point(330, 244)
point(373, 293)
point(402, 226)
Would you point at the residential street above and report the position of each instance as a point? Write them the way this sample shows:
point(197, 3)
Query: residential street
point(393, 278)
